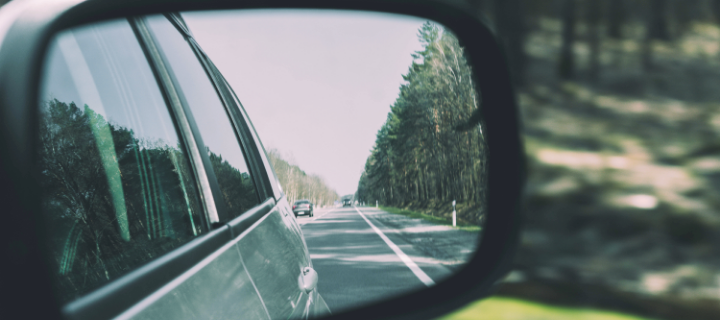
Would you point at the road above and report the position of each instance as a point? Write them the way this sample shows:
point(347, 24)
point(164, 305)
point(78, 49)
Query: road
point(363, 254)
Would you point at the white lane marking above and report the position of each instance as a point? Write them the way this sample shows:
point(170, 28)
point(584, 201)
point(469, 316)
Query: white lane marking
point(408, 262)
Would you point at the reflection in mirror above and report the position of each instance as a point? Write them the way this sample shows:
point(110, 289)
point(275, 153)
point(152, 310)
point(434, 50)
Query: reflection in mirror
point(366, 119)
point(117, 190)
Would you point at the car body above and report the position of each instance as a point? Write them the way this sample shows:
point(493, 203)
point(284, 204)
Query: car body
point(303, 207)
point(138, 222)
point(347, 203)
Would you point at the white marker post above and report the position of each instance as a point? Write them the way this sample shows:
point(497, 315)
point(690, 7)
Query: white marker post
point(376, 203)
point(454, 213)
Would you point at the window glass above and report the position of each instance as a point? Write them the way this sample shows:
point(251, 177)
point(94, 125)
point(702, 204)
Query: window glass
point(224, 150)
point(117, 189)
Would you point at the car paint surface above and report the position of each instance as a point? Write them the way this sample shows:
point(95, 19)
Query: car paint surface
point(249, 276)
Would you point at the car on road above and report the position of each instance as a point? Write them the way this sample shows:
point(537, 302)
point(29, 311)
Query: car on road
point(302, 207)
point(347, 202)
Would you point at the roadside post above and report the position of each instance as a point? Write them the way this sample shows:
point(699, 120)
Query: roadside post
point(454, 213)
point(376, 203)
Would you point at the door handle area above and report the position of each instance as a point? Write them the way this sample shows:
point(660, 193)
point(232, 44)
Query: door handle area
point(308, 279)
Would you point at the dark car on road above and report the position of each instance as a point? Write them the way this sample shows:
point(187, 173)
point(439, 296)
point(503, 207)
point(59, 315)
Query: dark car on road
point(347, 203)
point(302, 207)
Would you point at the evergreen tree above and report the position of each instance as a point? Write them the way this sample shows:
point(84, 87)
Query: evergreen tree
point(418, 156)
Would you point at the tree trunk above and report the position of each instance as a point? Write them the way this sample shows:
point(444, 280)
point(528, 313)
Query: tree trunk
point(655, 29)
point(510, 25)
point(716, 10)
point(616, 18)
point(657, 21)
point(593, 20)
point(566, 66)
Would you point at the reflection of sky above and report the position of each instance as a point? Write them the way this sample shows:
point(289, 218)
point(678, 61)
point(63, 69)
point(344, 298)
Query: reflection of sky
point(208, 111)
point(316, 84)
point(110, 74)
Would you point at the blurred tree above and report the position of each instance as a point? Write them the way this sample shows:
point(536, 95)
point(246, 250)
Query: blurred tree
point(594, 12)
point(655, 29)
point(715, 4)
point(509, 20)
point(510, 26)
point(658, 21)
point(566, 64)
point(684, 12)
point(616, 18)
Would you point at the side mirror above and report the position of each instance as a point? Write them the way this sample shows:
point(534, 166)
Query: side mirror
point(27, 29)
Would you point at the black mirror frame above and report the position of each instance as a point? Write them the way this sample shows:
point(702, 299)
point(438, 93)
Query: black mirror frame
point(25, 279)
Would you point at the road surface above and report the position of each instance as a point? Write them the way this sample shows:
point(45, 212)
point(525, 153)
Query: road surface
point(363, 254)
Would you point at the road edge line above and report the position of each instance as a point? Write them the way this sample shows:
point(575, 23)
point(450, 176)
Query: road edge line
point(424, 278)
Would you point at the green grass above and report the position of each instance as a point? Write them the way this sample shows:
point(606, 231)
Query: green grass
point(512, 309)
point(433, 219)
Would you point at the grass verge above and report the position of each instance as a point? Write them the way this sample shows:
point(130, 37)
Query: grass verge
point(511, 309)
point(433, 219)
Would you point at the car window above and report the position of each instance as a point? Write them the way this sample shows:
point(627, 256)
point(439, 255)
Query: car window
point(226, 156)
point(117, 189)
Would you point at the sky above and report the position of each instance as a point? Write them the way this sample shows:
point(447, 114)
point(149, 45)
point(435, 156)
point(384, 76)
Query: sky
point(316, 84)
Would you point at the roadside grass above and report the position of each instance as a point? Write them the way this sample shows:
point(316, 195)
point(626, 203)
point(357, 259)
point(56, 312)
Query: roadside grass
point(434, 219)
point(510, 309)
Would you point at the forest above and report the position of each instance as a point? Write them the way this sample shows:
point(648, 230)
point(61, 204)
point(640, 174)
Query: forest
point(299, 185)
point(420, 158)
point(620, 109)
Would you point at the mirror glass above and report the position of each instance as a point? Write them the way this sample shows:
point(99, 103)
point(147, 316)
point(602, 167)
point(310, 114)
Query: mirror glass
point(360, 113)
point(371, 122)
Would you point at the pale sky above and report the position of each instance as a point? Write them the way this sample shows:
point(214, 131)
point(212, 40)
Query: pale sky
point(317, 85)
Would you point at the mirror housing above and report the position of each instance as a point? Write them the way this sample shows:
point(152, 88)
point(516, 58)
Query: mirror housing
point(26, 28)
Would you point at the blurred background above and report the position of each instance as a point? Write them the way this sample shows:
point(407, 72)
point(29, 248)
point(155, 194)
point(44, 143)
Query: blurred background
point(620, 104)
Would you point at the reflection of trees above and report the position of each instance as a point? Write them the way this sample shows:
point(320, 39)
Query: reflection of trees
point(420, 158)
point(237, 188)
point(92, 171)
point(299, 185)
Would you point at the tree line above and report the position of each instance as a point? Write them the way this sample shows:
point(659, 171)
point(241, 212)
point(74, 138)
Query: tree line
point(420, 156)
point(299, 185)
point(589, 22)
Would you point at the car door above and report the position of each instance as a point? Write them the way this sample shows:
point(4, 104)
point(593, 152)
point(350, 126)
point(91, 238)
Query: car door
point(304, 304)
point(270, 242)
point(128, 222)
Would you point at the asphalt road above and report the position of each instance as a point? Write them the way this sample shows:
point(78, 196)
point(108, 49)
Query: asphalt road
point(364, 254)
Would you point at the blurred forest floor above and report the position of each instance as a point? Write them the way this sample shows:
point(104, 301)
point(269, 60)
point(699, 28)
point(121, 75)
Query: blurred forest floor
point(621, 203)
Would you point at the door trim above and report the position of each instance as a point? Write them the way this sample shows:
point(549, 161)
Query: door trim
point(122, 293)
point(248, 218)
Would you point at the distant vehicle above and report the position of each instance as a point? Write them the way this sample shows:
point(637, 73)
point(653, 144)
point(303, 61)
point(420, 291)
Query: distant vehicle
point(347, 203)
point(302, 207)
